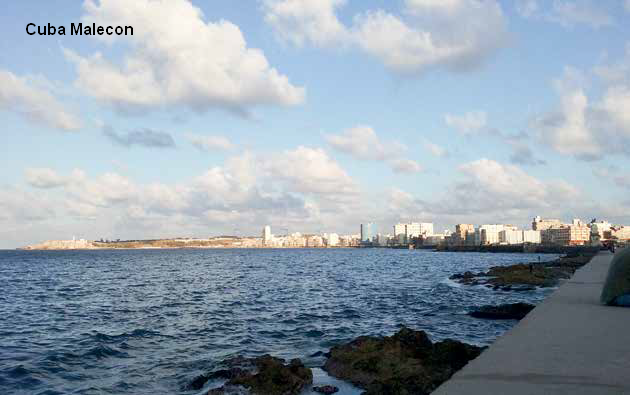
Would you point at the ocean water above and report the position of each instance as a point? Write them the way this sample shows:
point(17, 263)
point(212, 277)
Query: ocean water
point(149, 321)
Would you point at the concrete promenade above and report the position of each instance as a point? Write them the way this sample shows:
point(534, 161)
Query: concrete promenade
point(569, 344)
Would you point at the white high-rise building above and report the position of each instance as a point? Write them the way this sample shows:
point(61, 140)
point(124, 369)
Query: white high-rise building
point(266, 235)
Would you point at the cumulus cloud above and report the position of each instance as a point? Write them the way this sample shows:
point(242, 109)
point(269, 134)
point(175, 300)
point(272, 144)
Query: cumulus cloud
point(210, 143)
point(468, 123)
point(406, 166)
point(436, 150)
point(490, 191)
point(567, 13)
point(586, 128)
point(299, 188)
point(176, 57)
point(140, 137)
point(457, 34)
point(44, 178)
point(362, 143)
point(311, 171)
point(306, 21)
point(20, 95)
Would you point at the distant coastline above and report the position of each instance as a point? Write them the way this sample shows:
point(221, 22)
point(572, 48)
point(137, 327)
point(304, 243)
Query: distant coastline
point(255, 243)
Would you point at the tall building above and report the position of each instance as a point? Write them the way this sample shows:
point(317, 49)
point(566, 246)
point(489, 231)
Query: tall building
point(542, 224)
point(573, 234)
point(266, 235)
point(366, 232)
point(461, 231)
point(412, 230)
point(489, 234)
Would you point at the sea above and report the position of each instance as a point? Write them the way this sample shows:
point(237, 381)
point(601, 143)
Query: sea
point(149, 321)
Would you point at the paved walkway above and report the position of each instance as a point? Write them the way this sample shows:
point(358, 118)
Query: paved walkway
point(569, 344)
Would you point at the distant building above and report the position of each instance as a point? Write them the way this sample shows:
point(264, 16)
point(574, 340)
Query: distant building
point(488, 234)
point(461, 232)
point(542, 224)
point(412, 230)
point(620, 233)
point(510, 236)
point(598, 230)
point(576, 233)
point(531, 236)
point(266, 235)
point(366, 232)
point(332, 239)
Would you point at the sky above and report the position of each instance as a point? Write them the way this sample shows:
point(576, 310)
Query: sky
point(220, 117)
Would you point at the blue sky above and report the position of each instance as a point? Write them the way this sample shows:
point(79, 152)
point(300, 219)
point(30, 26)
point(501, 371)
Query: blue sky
point(220, 117)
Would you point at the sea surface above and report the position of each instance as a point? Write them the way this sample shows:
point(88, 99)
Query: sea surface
point(149, 321)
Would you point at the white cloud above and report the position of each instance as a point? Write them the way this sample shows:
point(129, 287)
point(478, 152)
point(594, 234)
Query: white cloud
point(435, 149)
point(456, 34)
point(210, 143)
point(568, 13)
point(362, 143)
point(406, 166)
point(626, 5)
point(311, 171)
point(177, 58)
point(491, 192)
point(527, 8)
point(584, 128)
point(574, 12)
point(467, 124)
point(20, 95)
point(300, 188)
point(44, 178)
point(306, 21)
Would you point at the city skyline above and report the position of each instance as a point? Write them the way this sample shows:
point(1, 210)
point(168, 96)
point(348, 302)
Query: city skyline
point(311, 115)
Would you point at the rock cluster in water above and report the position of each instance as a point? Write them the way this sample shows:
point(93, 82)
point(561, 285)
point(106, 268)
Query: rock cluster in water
point(405, 363)
point(264, 375)
point(509, 311)
point(523, 276)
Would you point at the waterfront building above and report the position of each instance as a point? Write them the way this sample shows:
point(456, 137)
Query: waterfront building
point(412, 230)
point(531, 236)
point(620, 233)
point(332, 239)
point(598, 230)
point(574, 234)
point(434, 240)
point(488, 234)
point(266, 235)
point(510, 236)
point(461, 232)
point(366, 233)
point(542, 224)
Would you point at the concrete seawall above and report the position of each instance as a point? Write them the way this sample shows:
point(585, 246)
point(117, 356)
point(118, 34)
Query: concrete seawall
point(569, 344)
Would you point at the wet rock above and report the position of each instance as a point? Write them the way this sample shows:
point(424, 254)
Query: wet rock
point(405, 363)
point(511, 311)
point(526, 275)
point(326, 389)
point(264, 375)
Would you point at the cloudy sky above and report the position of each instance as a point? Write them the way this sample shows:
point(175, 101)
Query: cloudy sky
point(218, 117)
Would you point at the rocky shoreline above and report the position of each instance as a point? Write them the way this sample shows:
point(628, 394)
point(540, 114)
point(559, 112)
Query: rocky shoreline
point(526, 276)
point(405, 363)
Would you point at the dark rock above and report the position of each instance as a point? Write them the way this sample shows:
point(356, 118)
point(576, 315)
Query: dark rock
point(264, 375)
point(513, 311)
point(326, 389)
point(530, 275)
point(405, 363)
